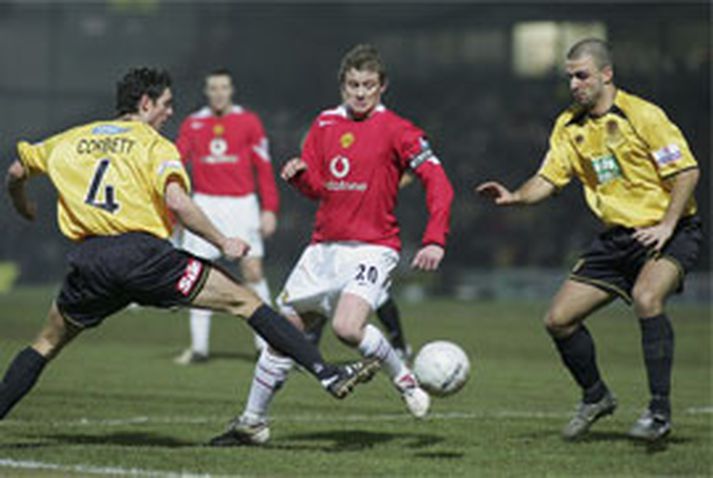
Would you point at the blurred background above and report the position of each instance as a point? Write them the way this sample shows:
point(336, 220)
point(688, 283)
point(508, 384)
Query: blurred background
point(484, 80)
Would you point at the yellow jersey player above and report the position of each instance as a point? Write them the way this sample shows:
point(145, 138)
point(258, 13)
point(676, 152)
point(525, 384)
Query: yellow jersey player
point(638, 176)
point(118, 183)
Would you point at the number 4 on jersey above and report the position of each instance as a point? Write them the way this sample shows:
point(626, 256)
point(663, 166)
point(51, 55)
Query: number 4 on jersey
point(109, 204)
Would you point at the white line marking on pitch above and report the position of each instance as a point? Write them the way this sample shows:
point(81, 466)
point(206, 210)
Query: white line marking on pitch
point(97, 470)
point(376, 417)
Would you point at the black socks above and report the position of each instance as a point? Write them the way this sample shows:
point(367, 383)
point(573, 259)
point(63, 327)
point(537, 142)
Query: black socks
point(657, 342)
point(286, 338)
point(578, 355)
point(20, 377)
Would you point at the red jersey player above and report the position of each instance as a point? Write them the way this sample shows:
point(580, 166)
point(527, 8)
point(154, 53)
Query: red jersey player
point(226, 148)
point(351, 162)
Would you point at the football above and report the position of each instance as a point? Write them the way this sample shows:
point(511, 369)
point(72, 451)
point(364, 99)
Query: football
point(441, 367)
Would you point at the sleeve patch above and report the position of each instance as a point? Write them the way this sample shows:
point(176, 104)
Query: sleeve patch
point(262, 149)
point(426, 154)
point(667, 154)
point(169, 165)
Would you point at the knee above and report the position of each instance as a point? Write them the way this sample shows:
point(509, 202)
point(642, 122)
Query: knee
point(647, 303)
point(243, 305)
point(252, 271)
point(347, 331)
point(558, 323)
point(53, 337)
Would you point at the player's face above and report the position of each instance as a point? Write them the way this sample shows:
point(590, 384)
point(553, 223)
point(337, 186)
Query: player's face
point(157, 112)
point(361, 91)
point(219, 91)
point(586, 81)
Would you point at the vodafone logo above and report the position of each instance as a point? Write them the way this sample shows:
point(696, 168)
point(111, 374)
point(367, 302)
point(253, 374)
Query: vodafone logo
point(339, 166)
point(218, 147)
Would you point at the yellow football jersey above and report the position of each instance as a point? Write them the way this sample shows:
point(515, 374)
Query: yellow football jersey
point(622, 159)
point(110, 177)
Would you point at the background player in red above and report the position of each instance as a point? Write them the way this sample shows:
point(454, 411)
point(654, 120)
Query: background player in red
point(226, 148)
point(352, 161)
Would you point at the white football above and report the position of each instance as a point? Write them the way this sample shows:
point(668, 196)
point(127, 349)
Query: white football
point(441, 367)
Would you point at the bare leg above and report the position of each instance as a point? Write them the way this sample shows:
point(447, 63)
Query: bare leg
point(222, 293)
point(252, 272)
point(26, 367)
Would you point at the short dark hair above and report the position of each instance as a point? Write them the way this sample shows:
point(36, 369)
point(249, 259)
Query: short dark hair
point(137, 83)
point(599, 50)
point(219, 72)
point(363, 57)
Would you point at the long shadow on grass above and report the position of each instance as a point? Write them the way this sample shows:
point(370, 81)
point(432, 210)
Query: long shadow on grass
point(216, 356)
point(602, 436)
point(133, 439)
point(354, 440)
point(621, 436)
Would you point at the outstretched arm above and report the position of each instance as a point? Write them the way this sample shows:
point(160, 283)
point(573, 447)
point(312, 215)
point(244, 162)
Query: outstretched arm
point(16, 178)
point(194, 219)
point(532, 191)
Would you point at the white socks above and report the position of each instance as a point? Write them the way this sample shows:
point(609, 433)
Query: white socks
point(375, 344)
point(200, 330)
point(270, 373)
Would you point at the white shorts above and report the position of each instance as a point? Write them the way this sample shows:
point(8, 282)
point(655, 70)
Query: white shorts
point(234, 217)
point(326, 270)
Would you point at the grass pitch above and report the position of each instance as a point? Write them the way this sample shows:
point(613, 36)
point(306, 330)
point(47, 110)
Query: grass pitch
point(114, 403)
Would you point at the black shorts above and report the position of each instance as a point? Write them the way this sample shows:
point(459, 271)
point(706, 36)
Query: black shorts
point(614, 259)
point(110, 272)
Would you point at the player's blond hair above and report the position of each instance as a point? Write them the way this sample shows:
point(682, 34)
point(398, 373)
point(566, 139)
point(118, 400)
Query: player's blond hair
point(363, 57)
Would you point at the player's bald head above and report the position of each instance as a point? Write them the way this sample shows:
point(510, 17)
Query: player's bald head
point(595, 48)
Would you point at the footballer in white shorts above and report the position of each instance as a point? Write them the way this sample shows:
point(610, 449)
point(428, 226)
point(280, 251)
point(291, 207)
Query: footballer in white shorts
point(234, 217)
point(325, 270)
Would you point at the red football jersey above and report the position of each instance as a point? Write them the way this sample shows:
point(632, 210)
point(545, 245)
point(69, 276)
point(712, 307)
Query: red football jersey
point(354, 169)
point(225, 151)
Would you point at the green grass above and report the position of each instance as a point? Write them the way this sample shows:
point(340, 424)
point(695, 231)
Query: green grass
point(505, 422)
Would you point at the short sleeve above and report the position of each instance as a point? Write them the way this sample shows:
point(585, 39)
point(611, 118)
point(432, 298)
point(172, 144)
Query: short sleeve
point(35, 157)
point(167, 165)
point(557, 168)
point(668, 147)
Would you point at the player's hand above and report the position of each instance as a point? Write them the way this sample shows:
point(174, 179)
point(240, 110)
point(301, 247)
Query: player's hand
point(292, 168)
point(428, 258)
point(654, 237)
point(500, 195)
point(234, 248)
point(268, 223)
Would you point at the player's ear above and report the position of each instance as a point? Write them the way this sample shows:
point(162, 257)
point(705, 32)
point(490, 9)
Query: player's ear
point(384, 86)
point(145, 103)
point(608, 74)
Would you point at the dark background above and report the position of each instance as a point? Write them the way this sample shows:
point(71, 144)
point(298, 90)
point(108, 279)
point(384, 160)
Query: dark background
point(451, 72)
